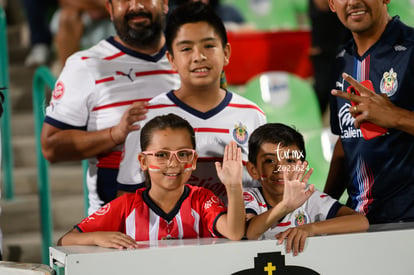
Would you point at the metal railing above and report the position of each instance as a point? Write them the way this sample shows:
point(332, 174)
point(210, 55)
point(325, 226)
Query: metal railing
point(43, 79)
point(6, 146)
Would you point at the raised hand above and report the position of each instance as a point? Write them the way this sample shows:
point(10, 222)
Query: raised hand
point(296, 191)
point(231, 171)
point(372, 107)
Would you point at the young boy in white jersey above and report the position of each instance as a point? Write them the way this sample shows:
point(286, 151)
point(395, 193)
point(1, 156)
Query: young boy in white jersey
point(285, 207)
point(197, 49)
point(169, 207)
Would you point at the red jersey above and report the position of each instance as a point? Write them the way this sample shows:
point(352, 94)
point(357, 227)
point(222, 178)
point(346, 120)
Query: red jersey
point(136, 215)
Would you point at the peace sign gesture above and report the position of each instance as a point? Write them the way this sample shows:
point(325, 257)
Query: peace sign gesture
point(375, 108)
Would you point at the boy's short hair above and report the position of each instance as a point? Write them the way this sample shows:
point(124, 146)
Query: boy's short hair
point(163, 122)
point(193, 12)
point(274, 133)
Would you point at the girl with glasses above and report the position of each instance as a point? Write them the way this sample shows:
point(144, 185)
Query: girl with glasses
point(168, 208)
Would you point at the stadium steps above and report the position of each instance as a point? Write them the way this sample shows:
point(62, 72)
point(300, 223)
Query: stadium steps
point(20, 217)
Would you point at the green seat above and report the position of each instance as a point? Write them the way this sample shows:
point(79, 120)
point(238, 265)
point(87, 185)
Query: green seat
point(403, 8)
point(315, 157)
point(288, 99)
point(271, 14)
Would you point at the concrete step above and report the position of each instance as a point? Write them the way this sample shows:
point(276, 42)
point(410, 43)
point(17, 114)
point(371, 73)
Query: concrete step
point(20, 77)
point(14, 11)
point(26, 247)
point(25, 155)
point(22, 124)
point(20, 223)
point(22, 214)
point(63, 180)
point(20, 217)
point(24, 151)
point(20, 88)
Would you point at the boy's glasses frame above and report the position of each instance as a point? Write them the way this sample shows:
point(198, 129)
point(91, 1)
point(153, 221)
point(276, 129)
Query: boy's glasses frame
point(165, 156)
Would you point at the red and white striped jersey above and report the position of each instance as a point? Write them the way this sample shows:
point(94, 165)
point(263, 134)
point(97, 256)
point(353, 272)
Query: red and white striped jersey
point(139, 217)
point(234, 118)
point(95, 88)
point(319, 207)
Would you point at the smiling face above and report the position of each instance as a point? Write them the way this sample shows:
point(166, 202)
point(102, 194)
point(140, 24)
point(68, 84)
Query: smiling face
point(271, 160)
point(198, 55)
point(170, 175)
point(138, 23)
point(362, 16)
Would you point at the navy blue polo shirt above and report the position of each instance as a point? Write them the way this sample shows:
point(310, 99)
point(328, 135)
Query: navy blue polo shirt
point(381, 169)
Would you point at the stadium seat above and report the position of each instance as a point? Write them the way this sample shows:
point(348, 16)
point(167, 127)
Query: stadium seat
point(315, 157)
point(271, 14)
point(288, 99)
point(260, 51)
point(403, 8)
point(285, 98)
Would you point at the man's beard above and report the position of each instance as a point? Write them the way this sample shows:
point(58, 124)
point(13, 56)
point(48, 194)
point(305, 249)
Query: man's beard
point(142, 36)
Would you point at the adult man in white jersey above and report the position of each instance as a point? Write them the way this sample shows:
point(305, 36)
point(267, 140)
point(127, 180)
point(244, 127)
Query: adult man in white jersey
point(103, 90)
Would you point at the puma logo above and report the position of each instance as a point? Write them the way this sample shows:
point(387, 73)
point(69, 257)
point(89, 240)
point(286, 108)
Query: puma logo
point(124, 74)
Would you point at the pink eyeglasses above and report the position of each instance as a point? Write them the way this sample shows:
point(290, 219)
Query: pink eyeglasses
point(164, 156)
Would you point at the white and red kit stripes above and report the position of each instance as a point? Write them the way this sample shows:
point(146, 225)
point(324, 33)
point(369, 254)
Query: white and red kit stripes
point(95, 88)
point(138, 216)
point(318, 207)
point(234, 118)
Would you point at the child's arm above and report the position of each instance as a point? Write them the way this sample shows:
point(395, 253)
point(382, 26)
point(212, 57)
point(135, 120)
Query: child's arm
point(100, 238)
point(232, 224)
point(346, 221)
point(294, 195)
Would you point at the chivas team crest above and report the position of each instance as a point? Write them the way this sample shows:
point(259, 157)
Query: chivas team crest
point(240, 133)
point(389, 83)
point(300, 219)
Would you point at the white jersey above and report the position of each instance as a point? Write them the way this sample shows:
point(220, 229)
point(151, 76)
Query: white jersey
point(319, 207)
point(95, 88)
point(234, 118)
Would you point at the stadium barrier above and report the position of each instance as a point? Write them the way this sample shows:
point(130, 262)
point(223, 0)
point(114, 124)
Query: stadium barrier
point(385, 249)
point(6, 146)
point(43, 79)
